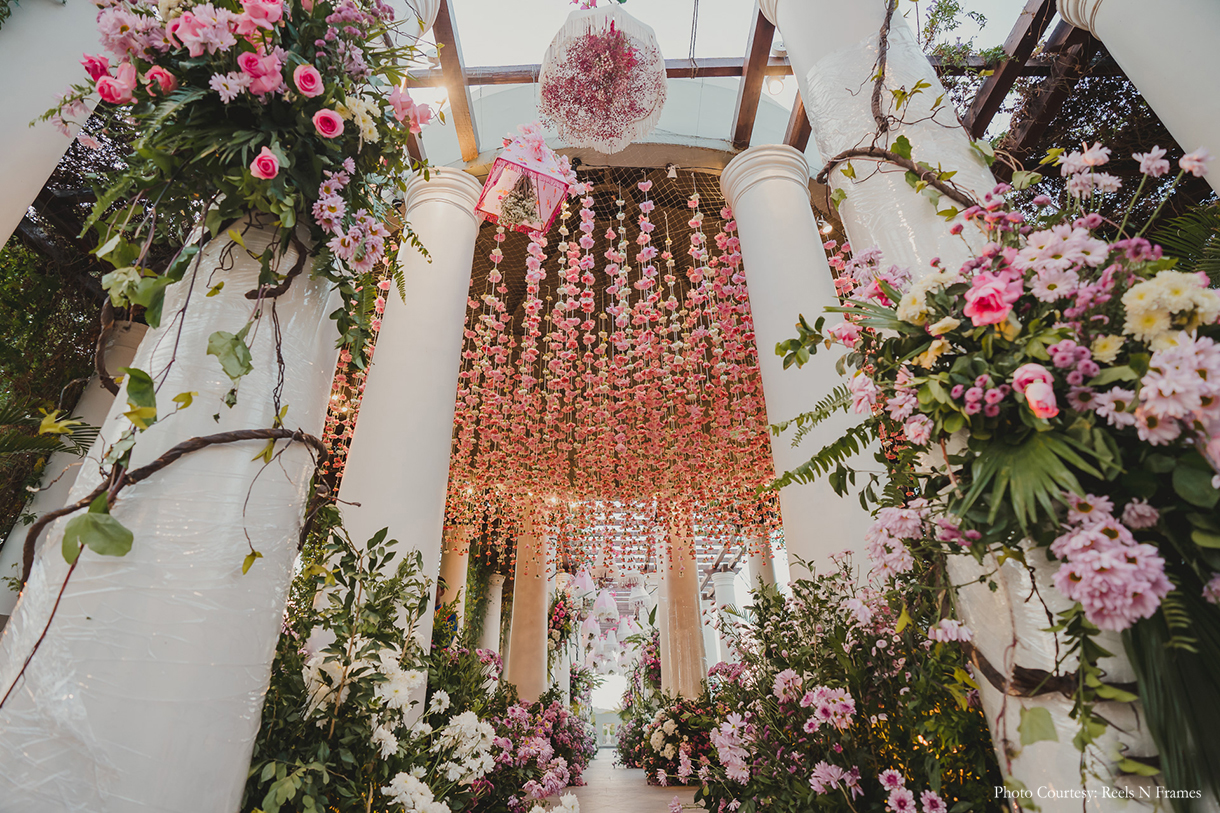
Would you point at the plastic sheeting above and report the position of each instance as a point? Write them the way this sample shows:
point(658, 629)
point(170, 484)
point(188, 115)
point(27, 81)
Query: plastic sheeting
point(881, 208)
point(1009, 627)
point(146, 693)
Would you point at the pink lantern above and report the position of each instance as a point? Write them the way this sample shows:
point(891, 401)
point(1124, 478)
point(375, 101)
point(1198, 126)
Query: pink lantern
point(527, 183)
point(605, 606)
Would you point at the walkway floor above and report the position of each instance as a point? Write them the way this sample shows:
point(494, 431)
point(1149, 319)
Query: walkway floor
point(611, 789)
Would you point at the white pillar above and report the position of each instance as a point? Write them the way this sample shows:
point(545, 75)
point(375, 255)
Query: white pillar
point(663, 632)
point(145, 695)
point(455, 559)
point(833, 46)
point(51, 36)
point(786, 273)
point(761, 565)
point(725, 583)
point(562, 674)
point(1161, 53)
point(527, 670)
point(490, 639)
point(713, 653)
point(398, 464)
point(61, 469)
point(688, 665)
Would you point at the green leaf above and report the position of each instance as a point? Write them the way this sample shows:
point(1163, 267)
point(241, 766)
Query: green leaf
point(235, 236)
point(837, 197)
point(1023, 179)
point(1205, 539)
point(1037, 726)
point(101, 533)
point(848, 170)
point(231, 351)
point(901, 147)
point(1195, 486)
point(140, 389)
point(1112, 374)
point(904, 620)
point(248, 562)
point(267, 453)
point(184, 399)
point(1132, 766)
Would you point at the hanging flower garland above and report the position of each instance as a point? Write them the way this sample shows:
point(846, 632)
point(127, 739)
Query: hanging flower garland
point(602, 81)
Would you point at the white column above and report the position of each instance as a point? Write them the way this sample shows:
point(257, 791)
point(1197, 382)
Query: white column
point(562, 674)
point(528, 668)
point(713, 653)
point(490, 639)
point(761, 564)
point(833, 46)
point(145, 695)
point(455, 559)
point(663, 632)
point(1164, 54)
point(725, 582)
point(61, 469)
point(688, 665)
point(42, 43)
point(786, 272)
point(398, 465)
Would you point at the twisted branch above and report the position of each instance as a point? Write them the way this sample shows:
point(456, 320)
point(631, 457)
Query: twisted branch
point(273, 291)
point(136, 475)
point(99, 352)
point(883, 44)
point(1026, 682)
point(949, 190)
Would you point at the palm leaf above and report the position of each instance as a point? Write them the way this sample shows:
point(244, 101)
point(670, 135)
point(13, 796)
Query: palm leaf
point(1032, 473)
point(838, 399)
point(1194, 238)
point(1180, 691)
point(853, 441)
point(15, 413)
point(15, 442)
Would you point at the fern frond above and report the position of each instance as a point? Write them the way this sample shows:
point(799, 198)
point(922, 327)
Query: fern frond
point(838, 399)
point(853, 441)
point(12, 442)
point(1194, 238)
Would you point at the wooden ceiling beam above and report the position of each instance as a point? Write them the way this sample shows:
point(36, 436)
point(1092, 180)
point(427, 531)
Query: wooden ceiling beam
point(799, 130)
point(453, 74)
point(1018, 48)
point(1073, 48)
point(749, 93)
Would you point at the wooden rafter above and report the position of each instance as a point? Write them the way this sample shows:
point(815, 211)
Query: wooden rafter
point(749, 93)
point(1072, 49)
point(720, 67)
point(1020, 45)
point(799, 130)
point(453, 74)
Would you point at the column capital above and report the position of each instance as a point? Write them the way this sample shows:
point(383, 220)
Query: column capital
point(762, 163)
point(721, 577)
point(449, 185)
point(770, 10)
point(496, 579)
point(1080, 13)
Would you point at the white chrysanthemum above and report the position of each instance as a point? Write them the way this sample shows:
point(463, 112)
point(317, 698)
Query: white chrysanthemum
point(1146, 325)
point(384, 739)
point(1106, 348)
point(440, 702)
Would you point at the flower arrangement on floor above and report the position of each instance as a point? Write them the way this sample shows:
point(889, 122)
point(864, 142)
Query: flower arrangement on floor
point(561, 626)
point(294, 110)
point(539, 749)
point(339, 730)
point(642, 698)
point(1055, 397)
point(676, 741)
point(582, 682)
point(843, 701)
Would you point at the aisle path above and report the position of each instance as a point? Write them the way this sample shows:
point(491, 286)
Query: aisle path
point(610, 789)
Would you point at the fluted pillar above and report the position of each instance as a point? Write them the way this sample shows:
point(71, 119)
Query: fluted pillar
point(787, 275)
point(61, 468)
point(663, 629)
point(398, 464)
point(684, 618)
point(42, 43)
point(1163, 54)
point(833, 46)
point(725, 584)
point(455, 559)
point(490, 639)
point(527, 669)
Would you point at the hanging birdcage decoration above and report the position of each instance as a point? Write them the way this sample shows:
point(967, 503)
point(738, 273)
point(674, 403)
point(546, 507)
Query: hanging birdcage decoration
point(527, 183)
point(602, 82)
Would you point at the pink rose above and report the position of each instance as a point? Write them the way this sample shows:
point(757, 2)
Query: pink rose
point(96, 66)
point(308, 81)
point(1027, 374)
point(1041, 399)
point(991, 297)
point(846, 333)
point(117, 89)
point(265, 165)
point(258, 14)
point(189, 31)
point(328, 123)
point(307, 5)
point(264, 72)
point(161, 80)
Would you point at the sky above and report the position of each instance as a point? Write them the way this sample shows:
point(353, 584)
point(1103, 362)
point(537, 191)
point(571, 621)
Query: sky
point(516, 32)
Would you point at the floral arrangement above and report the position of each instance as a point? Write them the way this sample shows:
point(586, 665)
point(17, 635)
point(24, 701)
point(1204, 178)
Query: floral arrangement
point(602, 82)
point(583, 681)
point(630, 743)
point(292, 111)
point(676, 741)
point(527, 183)
point(561, 625)
point(539, 749)
point(846, 700)
point(340, 726)
point(1054, 395)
